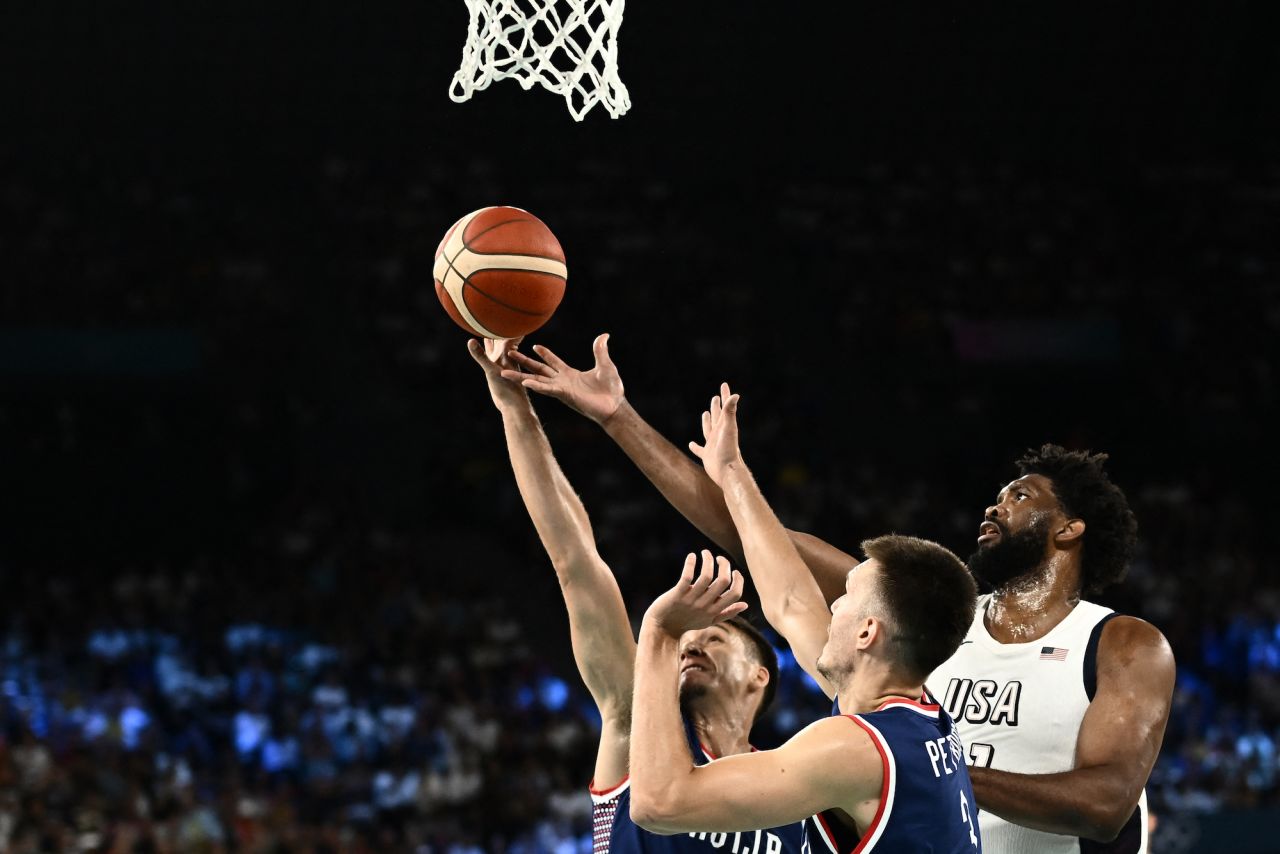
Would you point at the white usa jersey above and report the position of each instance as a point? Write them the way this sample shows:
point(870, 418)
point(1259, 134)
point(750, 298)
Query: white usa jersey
point(1018, 708)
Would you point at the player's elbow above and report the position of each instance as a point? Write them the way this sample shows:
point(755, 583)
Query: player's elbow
point(783, 610)
point(573, 565)
point(1104, 822)
point(652, 813)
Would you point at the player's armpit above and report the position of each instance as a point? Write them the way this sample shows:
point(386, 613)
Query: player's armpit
point(830, 764)
point(611, 753)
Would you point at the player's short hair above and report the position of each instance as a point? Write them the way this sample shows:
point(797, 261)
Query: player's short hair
point(763, 652)
point(1084, 490)
point(929, 596)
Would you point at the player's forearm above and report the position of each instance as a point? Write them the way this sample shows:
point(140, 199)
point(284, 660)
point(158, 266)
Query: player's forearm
point(1086, 802)
point(557, 513)
point(659, 757)
point(779, 573)
point(681, 481)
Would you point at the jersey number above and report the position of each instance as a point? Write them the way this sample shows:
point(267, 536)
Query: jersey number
point(964, 817)
point(980, 755)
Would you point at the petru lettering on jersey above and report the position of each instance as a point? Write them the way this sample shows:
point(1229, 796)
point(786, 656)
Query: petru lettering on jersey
point(983, 701)
point(743, 843)
point(946, 753)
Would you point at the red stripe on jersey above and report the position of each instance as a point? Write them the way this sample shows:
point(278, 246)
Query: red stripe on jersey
point(922, 703)
point(606, 792)
point(884, 785)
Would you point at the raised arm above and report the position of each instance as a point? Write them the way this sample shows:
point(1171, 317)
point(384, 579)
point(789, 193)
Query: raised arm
point(598, 624)
point(790, 597)
point(831, 763)
point(1119, 740)
point(598, 394)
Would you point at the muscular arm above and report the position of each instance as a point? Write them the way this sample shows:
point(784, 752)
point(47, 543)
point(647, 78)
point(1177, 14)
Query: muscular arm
point(598, 394)
point(831, 763)
point(688, 489)
point(599, 628)
point(798, 611)
point(1119, 740)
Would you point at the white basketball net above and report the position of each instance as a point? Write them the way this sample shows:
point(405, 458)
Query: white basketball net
point(569, 46)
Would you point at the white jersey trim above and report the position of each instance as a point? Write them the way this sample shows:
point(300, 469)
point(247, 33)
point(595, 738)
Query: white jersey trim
point(929, 711)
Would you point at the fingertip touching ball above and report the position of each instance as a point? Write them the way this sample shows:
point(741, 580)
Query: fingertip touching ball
point(500, 272)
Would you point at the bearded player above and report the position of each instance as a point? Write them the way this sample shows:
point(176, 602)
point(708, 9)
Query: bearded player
point(727, 673)
point(1062, 703)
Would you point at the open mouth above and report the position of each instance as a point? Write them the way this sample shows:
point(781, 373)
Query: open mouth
point(689, 667)
point(988, 532)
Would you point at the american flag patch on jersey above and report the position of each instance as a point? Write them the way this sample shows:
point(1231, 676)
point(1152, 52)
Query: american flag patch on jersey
point(1053, 653)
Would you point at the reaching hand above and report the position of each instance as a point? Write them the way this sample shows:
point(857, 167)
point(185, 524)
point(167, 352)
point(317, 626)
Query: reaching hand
point(695, 603)
point(494, 356)
point(596, 393)
point(720, 433)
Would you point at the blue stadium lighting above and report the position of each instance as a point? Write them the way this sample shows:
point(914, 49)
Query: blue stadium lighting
point(553, 693)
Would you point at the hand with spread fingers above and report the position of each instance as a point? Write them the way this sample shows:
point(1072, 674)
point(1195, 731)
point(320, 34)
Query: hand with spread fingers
point(697, 602)
point(720, 435)
point(494, 356)
point(596, 393)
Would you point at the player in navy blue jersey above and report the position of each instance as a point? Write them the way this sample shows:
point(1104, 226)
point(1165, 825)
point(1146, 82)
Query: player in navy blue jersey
point(887, 773)
point(727, 673)
point(1063, 703)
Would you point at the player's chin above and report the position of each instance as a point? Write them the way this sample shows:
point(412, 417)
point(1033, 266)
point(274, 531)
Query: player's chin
point(693, 684)
point(821, 664)
point(693, 676)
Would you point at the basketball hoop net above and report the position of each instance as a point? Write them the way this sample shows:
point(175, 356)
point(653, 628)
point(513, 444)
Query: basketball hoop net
point(569, 46)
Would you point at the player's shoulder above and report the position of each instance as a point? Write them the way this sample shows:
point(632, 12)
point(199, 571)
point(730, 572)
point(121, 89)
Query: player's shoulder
point(845, 740)
point(1131, 643)
point(838, 729)
point(1126, 631)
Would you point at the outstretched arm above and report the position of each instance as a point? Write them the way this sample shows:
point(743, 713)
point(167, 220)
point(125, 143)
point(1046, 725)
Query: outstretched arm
point(598, 625)
point(598, 394)
point(831, 763)
point(793, 603)
point(1119, 740)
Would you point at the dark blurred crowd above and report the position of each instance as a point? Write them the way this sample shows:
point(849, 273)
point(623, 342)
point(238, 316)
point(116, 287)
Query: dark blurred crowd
point(319, 696)
point(286, 599)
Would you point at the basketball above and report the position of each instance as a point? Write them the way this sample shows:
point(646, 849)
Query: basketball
point(500, 272)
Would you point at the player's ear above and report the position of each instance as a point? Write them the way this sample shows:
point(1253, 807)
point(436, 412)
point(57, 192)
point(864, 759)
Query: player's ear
point(1069, 533)
point(868, 633)
point(761, 677)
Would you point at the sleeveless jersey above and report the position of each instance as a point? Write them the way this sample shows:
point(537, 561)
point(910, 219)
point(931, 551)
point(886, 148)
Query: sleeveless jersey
point(613, 831)
point(1018, 707)
point(926, 799)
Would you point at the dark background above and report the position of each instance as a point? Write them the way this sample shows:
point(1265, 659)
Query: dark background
point(916, 241)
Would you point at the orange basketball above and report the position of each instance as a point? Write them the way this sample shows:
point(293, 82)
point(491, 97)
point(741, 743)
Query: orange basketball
point(500, 272)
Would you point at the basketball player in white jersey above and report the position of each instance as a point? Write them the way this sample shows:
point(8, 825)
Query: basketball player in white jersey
point(1069, 776)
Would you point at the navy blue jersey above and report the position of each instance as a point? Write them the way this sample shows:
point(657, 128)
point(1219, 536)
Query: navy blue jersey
point(613, 830)
point(926, 800)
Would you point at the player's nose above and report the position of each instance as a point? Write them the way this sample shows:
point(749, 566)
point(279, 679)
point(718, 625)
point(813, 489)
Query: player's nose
point(992, 512)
